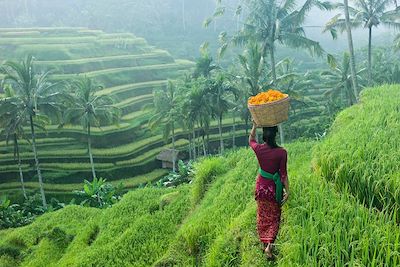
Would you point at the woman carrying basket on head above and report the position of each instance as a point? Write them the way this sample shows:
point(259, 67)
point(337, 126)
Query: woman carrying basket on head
point(272, 188)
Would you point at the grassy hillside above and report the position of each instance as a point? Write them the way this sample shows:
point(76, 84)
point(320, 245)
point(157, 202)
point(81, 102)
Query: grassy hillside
point(211, 223)
point(362, 151)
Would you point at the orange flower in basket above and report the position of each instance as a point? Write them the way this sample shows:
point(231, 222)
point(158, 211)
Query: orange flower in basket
point(266, 97)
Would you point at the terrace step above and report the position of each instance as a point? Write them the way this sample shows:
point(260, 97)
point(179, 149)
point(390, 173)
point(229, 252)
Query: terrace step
point(120, 76)
point(100, 63)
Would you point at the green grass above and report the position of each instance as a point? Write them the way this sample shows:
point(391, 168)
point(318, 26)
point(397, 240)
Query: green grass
point(161, 227)
point(98, 63)
point(135, 233)
point(133, 101)
point(131, 88)
point(44, 29)
point(46, 40)
point(111, 153)
point(362, 151)
point(41, 141)
point(117, 35)
point(128, 183)
point(20, 34)
point(71, 51)
point(134, 115)
point(120, 76)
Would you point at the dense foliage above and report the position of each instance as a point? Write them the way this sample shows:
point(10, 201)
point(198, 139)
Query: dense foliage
point(146, 227)
point(361, 152)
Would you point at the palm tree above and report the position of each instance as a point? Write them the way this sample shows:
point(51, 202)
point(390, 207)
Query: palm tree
point(166, 114)
point(252, 67)
point(351, 49)
point(339, 80)
point(11, 123)
point(388, 69)
point(34, 92)
point(219, 92)
point(269, 22)
point(88, 109)
point(198, 108)
point(204, 64)
point(295, 84)
point(368, 14)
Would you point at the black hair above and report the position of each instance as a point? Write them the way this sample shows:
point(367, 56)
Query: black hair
point(269, 136)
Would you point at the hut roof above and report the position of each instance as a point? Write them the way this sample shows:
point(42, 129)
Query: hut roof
point(167, 155)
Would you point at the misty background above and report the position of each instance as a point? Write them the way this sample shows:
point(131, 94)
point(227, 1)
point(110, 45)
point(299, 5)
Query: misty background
point(174, 25)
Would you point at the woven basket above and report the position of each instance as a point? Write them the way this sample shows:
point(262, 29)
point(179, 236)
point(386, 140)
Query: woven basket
point(270, 114)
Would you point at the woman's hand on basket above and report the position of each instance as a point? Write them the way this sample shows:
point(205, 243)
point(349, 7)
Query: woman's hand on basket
point(254, 123)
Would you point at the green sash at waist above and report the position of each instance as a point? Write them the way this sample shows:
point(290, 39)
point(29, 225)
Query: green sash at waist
point(278, 183)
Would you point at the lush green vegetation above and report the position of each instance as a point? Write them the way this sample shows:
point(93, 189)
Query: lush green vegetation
point(361, 152)
point(130, 76)
point(78, 103)
point(319, 224)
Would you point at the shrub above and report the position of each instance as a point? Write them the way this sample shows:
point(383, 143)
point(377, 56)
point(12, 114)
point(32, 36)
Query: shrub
point(99, 193)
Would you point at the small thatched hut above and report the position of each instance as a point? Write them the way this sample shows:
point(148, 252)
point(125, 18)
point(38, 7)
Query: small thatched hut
point(166, 156)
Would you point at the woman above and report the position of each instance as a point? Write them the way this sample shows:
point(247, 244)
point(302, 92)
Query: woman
point(271, 178)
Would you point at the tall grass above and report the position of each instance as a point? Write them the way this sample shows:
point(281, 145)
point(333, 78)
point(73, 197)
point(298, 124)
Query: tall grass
point(135, 231)
point(161, 227)
point(362, 151)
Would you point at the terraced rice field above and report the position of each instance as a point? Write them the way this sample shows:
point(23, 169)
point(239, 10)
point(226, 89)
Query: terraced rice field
point(129, 70)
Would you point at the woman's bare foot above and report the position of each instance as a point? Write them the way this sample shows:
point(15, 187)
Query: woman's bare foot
point(268, 251)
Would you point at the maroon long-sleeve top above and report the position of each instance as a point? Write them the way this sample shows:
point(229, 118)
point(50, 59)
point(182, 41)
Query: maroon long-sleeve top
point(271, 160)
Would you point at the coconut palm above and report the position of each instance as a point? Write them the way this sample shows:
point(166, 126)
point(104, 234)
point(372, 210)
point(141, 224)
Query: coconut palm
point(339, 80)
point(35, 97)
point(369, 14)
point(219, 91)
point(388, 69)
point(252, 68)
point(351, 48)
point(198, 108)
point(166, 114)
point(90, 109)
point(270, 22)
point(11, 123)
point(204, 64)
point(295, 84)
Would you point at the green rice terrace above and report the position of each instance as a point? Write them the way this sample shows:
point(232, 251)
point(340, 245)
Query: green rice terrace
point(211, 221)
point(199, 133)
point(129, 70)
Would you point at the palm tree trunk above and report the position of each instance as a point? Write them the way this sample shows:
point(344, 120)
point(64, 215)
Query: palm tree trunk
point(273, 67)
point(37, 163)
point(369, 56)
point(194, 143)
point(204, 145)
point(21, 175)
point(234, 130)
point(173, 148)
point(208, 141)
point(263, 56)
point(221, 142)
point(281, 135)
point(351, 50)
point(190, 146)
point(90, 151)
